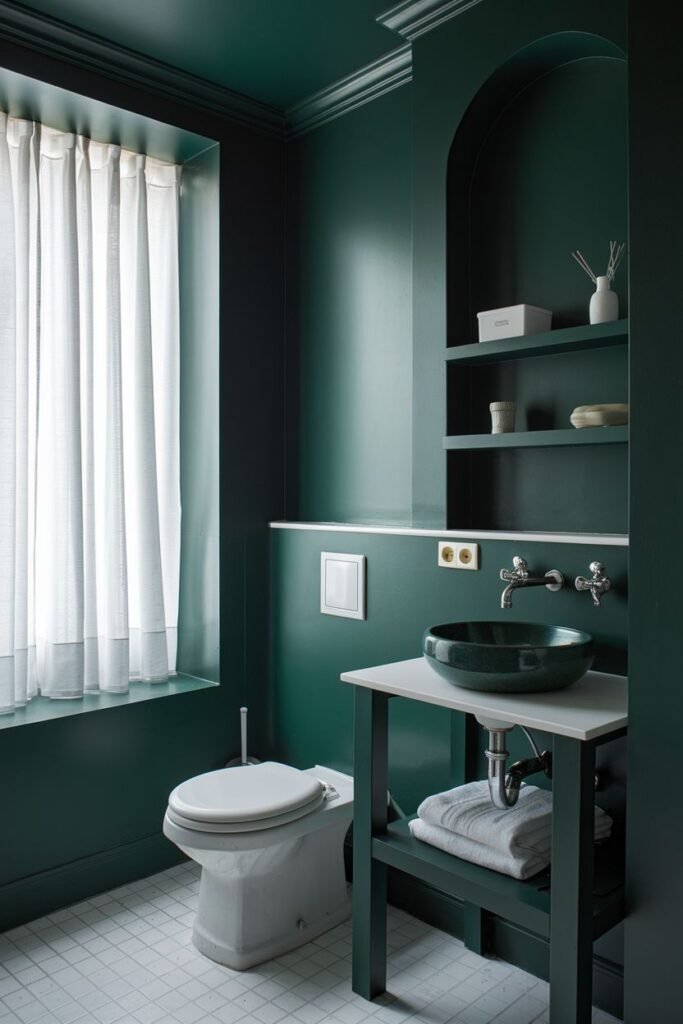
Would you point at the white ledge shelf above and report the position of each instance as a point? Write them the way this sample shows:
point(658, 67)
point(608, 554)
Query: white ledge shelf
point(43, 709)
point(615, 540)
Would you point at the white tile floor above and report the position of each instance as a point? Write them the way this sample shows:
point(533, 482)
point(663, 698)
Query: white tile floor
point(127, 957)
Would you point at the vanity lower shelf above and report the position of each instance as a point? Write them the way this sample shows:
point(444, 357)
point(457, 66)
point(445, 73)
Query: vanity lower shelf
point(537, 439)
point(525, 903)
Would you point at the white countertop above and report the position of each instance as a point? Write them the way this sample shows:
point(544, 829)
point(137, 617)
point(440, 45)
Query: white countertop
point(592, 707)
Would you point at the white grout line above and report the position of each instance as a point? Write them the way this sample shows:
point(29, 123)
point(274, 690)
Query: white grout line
point(614, 540)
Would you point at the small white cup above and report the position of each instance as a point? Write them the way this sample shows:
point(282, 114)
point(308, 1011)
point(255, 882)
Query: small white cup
point(503, 417)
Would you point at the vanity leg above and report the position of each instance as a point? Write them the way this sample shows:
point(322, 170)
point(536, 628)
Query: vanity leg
point(475, 924)
point(571, 890)
point(465, 732)
point(369, 818)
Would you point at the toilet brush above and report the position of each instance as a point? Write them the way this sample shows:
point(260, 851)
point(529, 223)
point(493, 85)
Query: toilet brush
point(243, 759)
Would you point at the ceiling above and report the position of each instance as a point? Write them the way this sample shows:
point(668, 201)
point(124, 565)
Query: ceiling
point(276, 51)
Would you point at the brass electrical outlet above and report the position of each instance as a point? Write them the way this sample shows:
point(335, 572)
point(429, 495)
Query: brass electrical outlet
point(458, 556)
point(467, 556)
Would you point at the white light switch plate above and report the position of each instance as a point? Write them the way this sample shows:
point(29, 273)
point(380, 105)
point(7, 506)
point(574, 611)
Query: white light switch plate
point(342, 585)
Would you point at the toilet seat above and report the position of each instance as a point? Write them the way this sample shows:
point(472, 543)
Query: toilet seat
point(245, 798)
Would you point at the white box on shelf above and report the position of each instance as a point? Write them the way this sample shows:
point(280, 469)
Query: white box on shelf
point(513, 322)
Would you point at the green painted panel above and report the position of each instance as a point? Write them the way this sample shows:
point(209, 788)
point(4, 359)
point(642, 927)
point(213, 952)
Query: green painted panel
point(198, 620)
point(655, 835)
point(349, 317)
point(252, 411)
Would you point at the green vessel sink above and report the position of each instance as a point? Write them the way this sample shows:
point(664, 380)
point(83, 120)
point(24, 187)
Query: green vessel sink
point(508, 657)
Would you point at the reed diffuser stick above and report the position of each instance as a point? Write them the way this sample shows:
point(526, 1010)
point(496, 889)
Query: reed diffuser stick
point(584, 265)
point(616, 252)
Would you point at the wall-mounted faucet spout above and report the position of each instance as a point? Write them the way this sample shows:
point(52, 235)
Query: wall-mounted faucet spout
point(519, 576)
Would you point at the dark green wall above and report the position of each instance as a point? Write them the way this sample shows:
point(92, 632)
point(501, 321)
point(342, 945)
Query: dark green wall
point(85, 795)
point(655, 835)
point(349, 254)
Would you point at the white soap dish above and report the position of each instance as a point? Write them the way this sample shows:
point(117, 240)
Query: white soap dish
point(599, 416)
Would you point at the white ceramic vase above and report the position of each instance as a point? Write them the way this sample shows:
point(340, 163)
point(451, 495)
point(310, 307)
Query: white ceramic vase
point(604, 304)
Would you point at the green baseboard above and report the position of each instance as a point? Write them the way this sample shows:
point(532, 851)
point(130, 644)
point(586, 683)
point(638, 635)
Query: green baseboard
point(25, 899)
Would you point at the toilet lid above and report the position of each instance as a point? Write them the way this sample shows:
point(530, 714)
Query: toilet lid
point(247, 794)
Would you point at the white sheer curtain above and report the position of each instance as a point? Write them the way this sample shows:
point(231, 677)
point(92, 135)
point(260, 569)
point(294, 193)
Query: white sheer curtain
point(89, 415)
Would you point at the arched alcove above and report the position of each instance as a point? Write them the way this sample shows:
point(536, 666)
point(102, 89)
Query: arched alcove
point(538, 168)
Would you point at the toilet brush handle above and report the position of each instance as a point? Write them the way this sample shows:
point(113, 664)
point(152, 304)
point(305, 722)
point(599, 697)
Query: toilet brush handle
point(243, 729)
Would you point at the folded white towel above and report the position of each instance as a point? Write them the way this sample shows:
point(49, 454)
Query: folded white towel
point(468, 812)
point(520, 863)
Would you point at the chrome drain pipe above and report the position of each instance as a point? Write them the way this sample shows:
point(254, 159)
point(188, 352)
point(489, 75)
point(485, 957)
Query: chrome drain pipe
point(504, 786)
point(502, 795)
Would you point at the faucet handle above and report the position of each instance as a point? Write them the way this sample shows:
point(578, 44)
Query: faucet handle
point(519, 571)
point(598, 584)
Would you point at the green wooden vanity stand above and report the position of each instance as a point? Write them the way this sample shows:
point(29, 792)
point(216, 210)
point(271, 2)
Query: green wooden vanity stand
point(586, 896)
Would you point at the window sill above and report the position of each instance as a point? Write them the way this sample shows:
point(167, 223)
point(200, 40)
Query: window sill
point(42, 709)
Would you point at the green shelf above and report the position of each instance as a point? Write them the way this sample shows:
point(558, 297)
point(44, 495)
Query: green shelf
point(537, 439)
point(567, 339)
point(525, 903)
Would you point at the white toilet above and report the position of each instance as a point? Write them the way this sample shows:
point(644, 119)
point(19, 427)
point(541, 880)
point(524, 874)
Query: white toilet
point(270, 841)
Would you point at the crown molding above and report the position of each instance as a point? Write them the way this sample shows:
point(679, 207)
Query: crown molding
point(412, 18)
point(56, 39)
point(368, 83)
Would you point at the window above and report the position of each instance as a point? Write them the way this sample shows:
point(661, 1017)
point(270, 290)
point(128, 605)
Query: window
point(89, 420)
